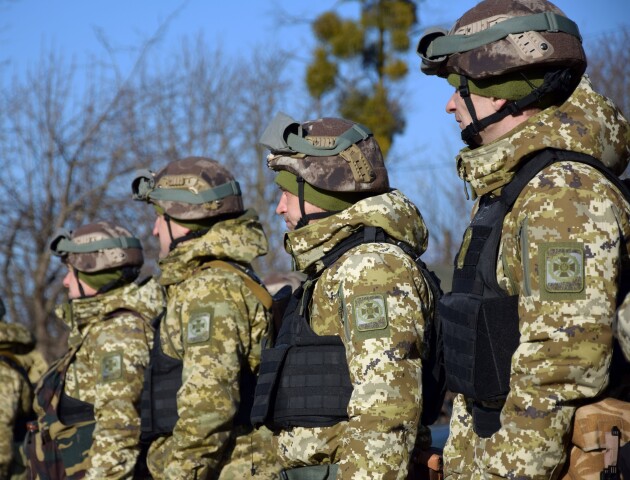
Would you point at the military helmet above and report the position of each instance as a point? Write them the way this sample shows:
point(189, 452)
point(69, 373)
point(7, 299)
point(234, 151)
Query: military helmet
point(193, 188)
point(497, 37)
point(97, 246)
point(331, 154)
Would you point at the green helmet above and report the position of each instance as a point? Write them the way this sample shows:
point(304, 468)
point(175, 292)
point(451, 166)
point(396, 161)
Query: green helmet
point(191, 189)
point(97, 246)
point(497, 37)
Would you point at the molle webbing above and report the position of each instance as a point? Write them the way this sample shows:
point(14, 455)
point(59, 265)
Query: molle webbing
point(162, 381)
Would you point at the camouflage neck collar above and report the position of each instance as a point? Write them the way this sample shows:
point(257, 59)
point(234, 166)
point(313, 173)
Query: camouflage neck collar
point(393, 212)
point(240, 239)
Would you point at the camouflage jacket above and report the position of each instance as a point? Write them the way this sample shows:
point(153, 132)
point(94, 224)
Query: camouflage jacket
point(16, 394)
point(383, 354)
point(111, 347)
point(214, 324)
point(566, 210)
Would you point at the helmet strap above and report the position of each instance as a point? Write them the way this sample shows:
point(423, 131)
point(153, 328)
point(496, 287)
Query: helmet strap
point(305, 218)
point(559, 82)
point(80, 286)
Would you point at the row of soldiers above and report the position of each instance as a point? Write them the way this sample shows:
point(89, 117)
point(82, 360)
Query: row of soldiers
point(191, 376)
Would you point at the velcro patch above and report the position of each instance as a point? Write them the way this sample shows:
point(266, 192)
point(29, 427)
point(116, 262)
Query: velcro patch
point(370, 314)
point(199, 328)
point(111, 367)
point(562, 272)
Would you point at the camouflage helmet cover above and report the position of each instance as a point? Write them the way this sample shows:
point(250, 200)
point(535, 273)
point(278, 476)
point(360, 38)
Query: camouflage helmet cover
point(98, 246)
point(193, 182)
point(358, 168)
point(516, 51)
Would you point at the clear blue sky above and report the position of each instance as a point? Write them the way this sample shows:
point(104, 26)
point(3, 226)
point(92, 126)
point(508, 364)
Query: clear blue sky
point(28, 26)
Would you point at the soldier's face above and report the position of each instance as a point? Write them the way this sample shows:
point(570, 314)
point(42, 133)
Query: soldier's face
point(484, 106)
point(160, 230)
point(71, 283)
point(289, 207)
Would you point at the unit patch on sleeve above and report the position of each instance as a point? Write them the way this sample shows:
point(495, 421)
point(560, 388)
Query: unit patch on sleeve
point(370, 314)
point(111, 367)
point(199, 328)
point(562, 271)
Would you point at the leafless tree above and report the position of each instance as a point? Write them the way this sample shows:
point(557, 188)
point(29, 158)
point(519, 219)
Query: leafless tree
point(72, 136)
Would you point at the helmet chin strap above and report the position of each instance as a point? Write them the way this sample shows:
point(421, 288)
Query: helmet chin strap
point(305, 218)
point(559, 82)
point(76, 277)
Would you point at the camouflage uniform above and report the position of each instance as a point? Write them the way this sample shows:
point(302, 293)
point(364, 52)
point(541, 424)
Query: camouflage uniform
point(561, 244)
point(214, 324)
point(372, 301)
point(565, 344)
point(110, 334)
point(384, 361)
point(204, 443)
point(16, 394)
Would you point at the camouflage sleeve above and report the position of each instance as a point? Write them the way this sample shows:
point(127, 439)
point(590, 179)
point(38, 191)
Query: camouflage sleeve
point(120, 355)
point(383, 303)
point(211, 323)
point(10, 393)
point(623, 327)
point(565, 265)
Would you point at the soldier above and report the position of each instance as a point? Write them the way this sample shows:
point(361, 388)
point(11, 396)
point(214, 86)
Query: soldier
point(206, 354)
point(20, 366)
point(528, 325)
point(88, 403)
point(341, 386)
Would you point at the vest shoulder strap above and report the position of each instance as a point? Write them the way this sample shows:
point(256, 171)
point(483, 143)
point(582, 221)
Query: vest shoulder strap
point(259, 291)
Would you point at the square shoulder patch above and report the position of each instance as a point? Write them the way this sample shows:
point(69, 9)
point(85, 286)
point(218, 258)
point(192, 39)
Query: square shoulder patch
point(111, 367)
point(199, 326)
point(562, 271)
point(370, 313)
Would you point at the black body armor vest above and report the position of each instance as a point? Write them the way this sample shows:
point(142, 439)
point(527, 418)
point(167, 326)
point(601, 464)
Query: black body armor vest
point(479, 320)
point(162, 381)
point(304, 378)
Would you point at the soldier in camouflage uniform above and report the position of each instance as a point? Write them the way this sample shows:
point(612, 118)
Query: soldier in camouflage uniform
point(20, 367)
point(528, 325)
point(88, 403)
point(206, 354)
point(342, 385)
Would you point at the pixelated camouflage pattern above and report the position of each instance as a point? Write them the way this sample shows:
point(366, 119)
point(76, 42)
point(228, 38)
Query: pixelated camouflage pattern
point(204, 444)
point(101, 327)
point(335, 173)
point(384, 363)
point(16, 395)
point(196, 174)
point(566, 339)
point(504, 56)
point(103, 259)
point(622, 327)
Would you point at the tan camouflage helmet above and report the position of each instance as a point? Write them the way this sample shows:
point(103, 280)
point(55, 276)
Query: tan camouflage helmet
point(331, 154)
point(193, 188)
point(497, 37)
point(98, 246)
